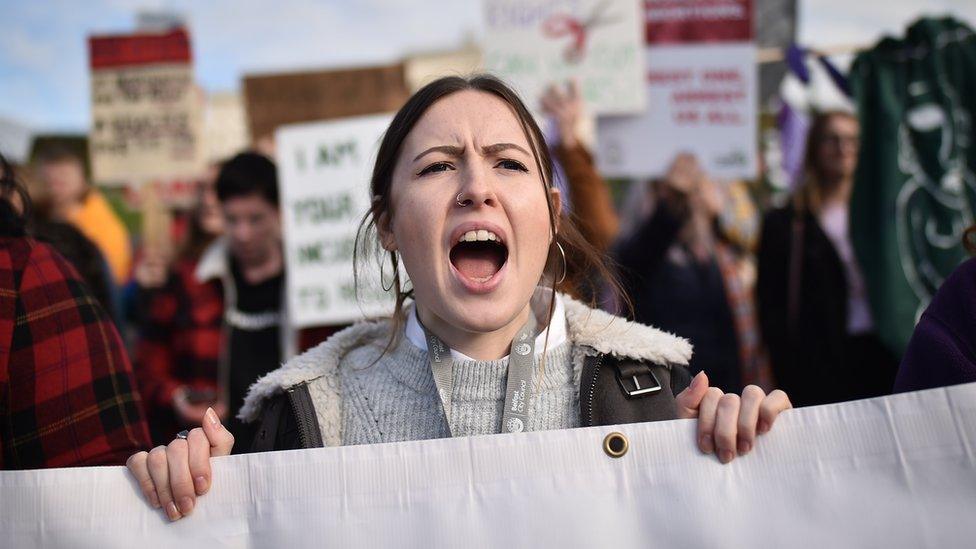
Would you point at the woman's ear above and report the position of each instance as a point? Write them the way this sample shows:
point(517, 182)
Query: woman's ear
point(384, 228)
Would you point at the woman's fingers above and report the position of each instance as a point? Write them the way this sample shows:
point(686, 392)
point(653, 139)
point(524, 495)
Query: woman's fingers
point(159, 471)
point(769, 410)
point(752, 397)
point(199, 460)
point(138, 466)
point(180, 481)
point(706, 419)
point(726, 426)
point(221, 441)
point(689, 400)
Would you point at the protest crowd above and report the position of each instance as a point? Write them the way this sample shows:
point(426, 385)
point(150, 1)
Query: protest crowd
point(130, 312)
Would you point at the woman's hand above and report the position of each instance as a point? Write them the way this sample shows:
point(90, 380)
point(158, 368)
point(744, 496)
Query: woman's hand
point(171, 477)
point(727, 423)
point(565, 105)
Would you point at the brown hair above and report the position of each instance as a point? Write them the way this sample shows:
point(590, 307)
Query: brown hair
point(13, 219)
point(809, 195)
point(581, 256)
point(197, 239)
point(969, 240)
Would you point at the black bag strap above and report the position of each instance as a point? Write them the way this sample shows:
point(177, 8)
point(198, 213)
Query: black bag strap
point(267, 429)
point(609, 393)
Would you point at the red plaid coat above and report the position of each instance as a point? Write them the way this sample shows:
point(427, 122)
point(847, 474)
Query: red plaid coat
point(179, 344)
point(181, 341)
point(67, 393)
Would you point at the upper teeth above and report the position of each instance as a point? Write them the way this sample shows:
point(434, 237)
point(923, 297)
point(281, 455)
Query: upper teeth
point(479, 235)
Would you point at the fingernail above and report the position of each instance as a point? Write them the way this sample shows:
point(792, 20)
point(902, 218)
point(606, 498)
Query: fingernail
point(212, 417)
point(706, 444)
point(172, 512)
point(186, 505)
point(725, 456)
point(154, 500)
point(763, 427)
point(744, 447)
point(201, 485)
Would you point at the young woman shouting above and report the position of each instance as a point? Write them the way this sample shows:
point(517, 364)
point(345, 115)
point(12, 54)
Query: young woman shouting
point(463, 197)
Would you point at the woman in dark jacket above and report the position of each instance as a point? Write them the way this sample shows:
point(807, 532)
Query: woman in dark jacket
point(813, 308)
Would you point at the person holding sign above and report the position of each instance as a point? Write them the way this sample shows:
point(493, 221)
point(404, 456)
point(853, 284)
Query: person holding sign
point(463, 198)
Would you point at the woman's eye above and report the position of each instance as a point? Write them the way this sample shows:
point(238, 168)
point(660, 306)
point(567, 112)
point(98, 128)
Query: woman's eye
point(512, 165)
point(437, 167)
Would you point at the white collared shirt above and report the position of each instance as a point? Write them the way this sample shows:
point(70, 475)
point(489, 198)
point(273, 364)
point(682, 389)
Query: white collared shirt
point(540, 308)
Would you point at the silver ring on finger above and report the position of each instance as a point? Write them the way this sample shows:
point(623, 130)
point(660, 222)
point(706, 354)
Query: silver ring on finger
point(183, 434)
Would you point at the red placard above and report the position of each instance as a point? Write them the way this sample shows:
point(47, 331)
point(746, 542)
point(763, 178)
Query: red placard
point(139, 49)
point(685, 21)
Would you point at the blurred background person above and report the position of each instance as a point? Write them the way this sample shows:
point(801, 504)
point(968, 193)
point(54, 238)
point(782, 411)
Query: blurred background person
point(52, 329)
point(50, 223)
point(225, 324)
point(178, 346)
point(813, 307)
point(68, 197)
point(684, 273)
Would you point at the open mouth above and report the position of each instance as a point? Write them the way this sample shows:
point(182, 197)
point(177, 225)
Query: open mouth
point(478, 255)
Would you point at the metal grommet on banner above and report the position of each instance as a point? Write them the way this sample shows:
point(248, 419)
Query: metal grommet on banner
point(616, 444)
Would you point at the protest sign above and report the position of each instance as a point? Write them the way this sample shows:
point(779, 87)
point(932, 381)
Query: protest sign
point(701, 94)
point(146, 109)
point(532, 44)
point(324, 172)
point(888, 472)
point(278, 99)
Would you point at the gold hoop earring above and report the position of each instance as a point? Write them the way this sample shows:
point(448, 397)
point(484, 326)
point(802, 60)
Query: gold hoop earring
point(565, 264)
point(394, 280)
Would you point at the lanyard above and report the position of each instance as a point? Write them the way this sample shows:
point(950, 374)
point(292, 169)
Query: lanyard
point(519, 387)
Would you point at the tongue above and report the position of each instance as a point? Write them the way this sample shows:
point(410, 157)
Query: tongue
point(477, 262)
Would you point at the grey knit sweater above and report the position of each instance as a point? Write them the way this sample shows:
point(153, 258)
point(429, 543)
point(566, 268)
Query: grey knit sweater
point(396, 399)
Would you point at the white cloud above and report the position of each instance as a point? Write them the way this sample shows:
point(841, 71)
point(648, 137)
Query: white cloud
point(24, 50)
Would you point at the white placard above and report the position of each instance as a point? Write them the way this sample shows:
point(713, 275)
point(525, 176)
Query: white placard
point(891, 472)
point(146, 124)
point(324, 172)
point(534, 43)
point(701, 99)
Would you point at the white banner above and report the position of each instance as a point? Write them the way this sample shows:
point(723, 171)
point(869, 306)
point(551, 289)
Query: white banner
point(894, 472)
point(324, 170)
point(534, 43)
point(702, 99)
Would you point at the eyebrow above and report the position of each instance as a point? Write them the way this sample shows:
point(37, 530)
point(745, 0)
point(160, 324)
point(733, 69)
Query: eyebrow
point(451, 150)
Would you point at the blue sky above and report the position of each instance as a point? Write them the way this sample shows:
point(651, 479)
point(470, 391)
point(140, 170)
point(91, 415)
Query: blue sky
point(44, 60)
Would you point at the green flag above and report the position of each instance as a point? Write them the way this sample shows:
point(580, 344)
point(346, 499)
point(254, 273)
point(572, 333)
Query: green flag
point(915, 188)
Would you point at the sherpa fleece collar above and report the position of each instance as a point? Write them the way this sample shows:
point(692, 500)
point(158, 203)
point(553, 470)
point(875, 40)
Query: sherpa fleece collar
point(595, 331)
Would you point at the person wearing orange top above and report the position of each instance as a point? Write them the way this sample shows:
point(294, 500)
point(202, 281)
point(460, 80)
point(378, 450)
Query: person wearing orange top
point(72, 199)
